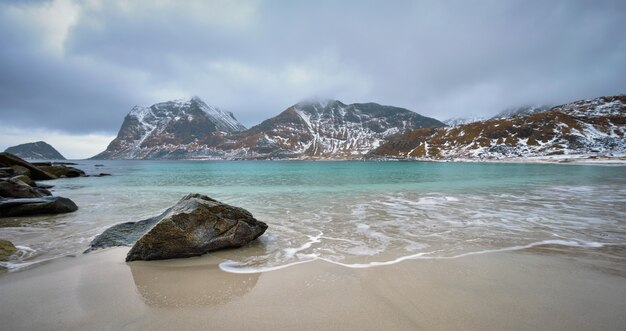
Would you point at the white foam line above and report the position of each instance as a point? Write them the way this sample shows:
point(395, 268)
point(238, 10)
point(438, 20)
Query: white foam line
point(423, 256)
point(14, 266)
point(290, 252)
point(228, 266)
point(25, 248)
point(341, 239)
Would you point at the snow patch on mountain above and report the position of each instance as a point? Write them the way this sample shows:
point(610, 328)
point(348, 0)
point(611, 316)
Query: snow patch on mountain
point(330, 129)
point(521, 111)
point(171, 129)
point(455, 121)
point(585, 128)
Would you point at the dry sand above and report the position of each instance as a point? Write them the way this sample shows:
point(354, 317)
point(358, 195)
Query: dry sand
point(544, 288)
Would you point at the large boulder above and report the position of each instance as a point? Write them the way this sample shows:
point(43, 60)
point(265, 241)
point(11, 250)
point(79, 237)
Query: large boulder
point(6, 250)
point(15, 188)
point(194, 226)
point(62, 171)
point(10, 160)
point(36, 206)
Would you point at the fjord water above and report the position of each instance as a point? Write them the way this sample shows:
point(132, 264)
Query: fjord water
point(357, 214)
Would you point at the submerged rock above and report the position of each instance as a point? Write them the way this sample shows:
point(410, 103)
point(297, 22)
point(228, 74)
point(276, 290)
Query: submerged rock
point(6, 250)
point(15, 188)
point(36, 206)
point(194, 226)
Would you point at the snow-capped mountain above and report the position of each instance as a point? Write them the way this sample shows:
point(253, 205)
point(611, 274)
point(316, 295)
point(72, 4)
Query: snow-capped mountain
point(329, 129)
point(170, 129)
point(310, 129)
point(587, 128)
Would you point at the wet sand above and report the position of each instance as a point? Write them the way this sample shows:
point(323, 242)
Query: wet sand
point(540, 288)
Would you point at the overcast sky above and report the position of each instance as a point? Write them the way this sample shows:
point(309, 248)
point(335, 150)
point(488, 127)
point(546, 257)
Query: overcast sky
point(71, 70)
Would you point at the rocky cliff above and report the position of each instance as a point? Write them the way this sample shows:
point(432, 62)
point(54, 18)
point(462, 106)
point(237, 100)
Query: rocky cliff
point(170, 130)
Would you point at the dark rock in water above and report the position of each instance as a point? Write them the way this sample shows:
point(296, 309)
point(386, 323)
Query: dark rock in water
point(36, 206)
point(46, 186)
point(48, 164)
point(43, 191)
point(61, 171)
point(196, 225)
point(13, 188)
point(6, 250)
point(9, 160)
point(99, 165)
point(102, 174)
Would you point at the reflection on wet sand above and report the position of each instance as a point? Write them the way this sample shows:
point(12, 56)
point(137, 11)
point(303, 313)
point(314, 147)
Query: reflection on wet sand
point(188, 283)
point(609, 259)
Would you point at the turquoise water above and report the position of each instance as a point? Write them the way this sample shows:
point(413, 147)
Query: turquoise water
point(357, 214)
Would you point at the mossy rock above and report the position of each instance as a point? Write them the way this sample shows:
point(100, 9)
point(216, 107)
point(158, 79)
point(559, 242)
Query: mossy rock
point(6, 250)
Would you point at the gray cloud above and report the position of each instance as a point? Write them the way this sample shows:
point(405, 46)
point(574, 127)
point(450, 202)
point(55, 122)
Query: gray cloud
point(80, 66)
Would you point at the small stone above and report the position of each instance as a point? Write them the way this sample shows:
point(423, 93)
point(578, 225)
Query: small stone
point(6, 250)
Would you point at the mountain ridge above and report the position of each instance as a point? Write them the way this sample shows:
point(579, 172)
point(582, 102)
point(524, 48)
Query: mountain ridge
point(308, 129)
point(330, 129)
point(590, 127)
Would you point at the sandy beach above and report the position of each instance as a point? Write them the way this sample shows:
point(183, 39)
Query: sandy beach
point(547, 288)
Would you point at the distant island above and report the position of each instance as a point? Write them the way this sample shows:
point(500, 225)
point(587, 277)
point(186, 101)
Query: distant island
point(39, 150)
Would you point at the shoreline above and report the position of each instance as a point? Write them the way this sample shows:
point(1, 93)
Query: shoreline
point(544, 287)
point(571, 159)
